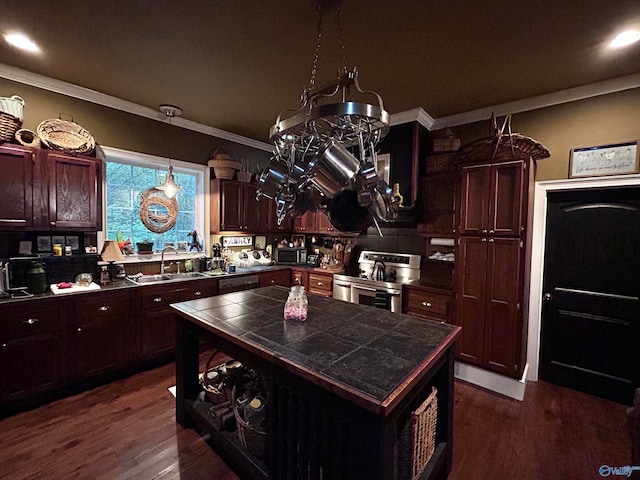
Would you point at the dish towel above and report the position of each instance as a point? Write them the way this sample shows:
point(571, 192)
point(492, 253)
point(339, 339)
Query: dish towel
point(381, 300)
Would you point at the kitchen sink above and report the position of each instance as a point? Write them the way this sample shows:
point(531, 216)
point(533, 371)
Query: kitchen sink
point(167, 277)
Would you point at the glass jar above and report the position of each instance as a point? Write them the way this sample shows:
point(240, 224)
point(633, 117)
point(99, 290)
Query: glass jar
point(295, 308)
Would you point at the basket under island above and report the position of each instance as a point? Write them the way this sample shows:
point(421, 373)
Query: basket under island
point(343, 387)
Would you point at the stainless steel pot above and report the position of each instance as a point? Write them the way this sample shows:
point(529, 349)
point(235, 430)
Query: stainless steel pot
point(332, 169)
point(273, 178)
point(346, 214)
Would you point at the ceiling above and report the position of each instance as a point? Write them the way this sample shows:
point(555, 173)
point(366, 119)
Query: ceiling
point(235, 64)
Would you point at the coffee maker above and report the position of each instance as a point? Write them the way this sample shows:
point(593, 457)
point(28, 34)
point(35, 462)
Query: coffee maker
point(217, 261)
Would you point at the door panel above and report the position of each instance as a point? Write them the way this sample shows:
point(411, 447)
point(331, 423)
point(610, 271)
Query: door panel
point(505, 210)
point(591, 313)
point(474, 191)
point(502, 321)
point(471, 297)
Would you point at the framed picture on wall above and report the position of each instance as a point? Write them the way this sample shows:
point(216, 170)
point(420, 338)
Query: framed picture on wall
point(44, 243)
point(58, 239)
point(72, 241)
point(616, 159)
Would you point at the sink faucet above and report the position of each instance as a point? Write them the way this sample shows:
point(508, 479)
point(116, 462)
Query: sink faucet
point(162, 267)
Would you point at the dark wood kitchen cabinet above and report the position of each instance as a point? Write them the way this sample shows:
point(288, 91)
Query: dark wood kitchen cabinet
point(316, 221)
point(16, 183)
point(493, 220)
point(428, 303)
point(275, 277)
point(74, 190)
point(300, 277)
point(321, 283)
point(48, 190)
point(157, 322)
point(234, 207)
point(103, 334)
point(491, 199)
point(32, 349)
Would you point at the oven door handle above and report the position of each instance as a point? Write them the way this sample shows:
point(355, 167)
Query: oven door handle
point(341, 284)
point(388, 291)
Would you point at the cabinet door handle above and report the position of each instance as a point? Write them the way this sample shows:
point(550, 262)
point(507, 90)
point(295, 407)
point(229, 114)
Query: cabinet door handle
point(319, 284)
point(197, 293)
point(491, 240)
point(157, 299)
point(4, 345)
point(104, 308)
point(426, 304)
point(79, 329)
point(272, 281)
point(31, 321)
point(53, 224)
point(484, 231)
point(484, 240)
point(491, 232)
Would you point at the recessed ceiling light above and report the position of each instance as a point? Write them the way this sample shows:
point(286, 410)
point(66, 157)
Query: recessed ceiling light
point(625, 38)
point(22, 42)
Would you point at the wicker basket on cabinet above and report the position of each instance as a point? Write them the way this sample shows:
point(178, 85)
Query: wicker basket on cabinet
point(417, 439)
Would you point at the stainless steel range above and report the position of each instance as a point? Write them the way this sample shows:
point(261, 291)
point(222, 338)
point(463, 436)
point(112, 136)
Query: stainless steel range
point(380, 281)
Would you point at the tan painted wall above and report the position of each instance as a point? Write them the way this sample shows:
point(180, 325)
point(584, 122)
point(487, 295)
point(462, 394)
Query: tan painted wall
point(595, 121)
point(118, 129)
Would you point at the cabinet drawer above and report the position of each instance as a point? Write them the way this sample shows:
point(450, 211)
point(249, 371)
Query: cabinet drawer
point(162, 297)
point(278, 277)
point(26, 318)
point(321, 284)
point(428, 304)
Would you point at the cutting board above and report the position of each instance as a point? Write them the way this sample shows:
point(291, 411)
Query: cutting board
point(75, 288)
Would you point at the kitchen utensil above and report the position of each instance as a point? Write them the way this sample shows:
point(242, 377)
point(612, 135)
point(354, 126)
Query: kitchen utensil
point(12, 106)
point(346, 214)
point(328, 243)
point(273, 178)
point(333, 168)
point(379, 272)
point(338, 251)
point(84, 279)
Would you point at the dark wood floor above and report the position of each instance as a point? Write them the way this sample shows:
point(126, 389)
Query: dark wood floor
point(127, 430)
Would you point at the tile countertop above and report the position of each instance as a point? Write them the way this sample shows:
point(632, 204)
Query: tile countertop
point(353, 347)
point(124, 283)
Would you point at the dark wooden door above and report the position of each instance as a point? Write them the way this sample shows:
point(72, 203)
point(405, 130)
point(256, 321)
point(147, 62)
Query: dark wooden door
point(470, 306)
point(16, 183)
point(491, 199)
point(102, 333)
point(591, 307)
point(503, 312)
point(253, 221)
point(231, 199)
point(475, 182)
point(73, 192)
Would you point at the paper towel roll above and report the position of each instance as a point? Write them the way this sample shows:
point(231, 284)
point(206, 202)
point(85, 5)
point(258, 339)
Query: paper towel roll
point(445, 242)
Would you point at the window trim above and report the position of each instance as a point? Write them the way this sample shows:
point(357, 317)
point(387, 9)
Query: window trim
point(112, 154)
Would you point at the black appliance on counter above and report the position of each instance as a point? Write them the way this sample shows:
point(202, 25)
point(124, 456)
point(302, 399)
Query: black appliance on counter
point(291, 256)
point(58, 269)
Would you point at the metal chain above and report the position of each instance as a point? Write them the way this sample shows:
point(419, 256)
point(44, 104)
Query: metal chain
point(316, 54)
point(342, 49)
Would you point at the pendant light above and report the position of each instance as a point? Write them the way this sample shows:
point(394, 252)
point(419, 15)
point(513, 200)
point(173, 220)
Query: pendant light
point(170, 187)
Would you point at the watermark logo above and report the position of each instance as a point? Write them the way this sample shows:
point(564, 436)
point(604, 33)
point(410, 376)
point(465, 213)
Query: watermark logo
point(606, 470)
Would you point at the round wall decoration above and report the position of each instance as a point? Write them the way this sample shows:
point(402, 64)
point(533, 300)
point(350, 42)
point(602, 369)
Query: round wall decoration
point(157, 212)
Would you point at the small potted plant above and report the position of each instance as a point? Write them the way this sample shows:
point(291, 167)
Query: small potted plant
point(145, 247)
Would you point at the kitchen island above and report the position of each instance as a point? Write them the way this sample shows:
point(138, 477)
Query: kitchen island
point(341, 386)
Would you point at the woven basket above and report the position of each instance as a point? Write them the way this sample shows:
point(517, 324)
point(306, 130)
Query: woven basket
point(27, 137)
point(211, 388)
point(223, 163)
point(68, 137)
point(9, 125)
point(444, 162)
point(244, 177)
point(12, 106)
point(417, 439)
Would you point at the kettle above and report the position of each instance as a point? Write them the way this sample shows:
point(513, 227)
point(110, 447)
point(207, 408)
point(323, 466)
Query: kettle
point(36, 278)
point(379, 271)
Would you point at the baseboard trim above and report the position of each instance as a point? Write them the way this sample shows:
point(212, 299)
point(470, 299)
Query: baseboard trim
point(509, 387)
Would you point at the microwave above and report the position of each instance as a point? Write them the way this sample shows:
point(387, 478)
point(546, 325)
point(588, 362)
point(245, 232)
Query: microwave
point(291, 256)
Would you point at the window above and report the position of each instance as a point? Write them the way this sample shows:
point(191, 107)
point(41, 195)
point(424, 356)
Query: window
point(128, 175)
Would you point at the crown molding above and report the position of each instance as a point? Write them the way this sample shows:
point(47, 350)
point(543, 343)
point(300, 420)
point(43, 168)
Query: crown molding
point(81, 93)
point(414, 115)
point(606, 87)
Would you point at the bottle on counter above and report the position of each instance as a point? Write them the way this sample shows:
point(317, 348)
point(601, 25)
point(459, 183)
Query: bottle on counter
point(295, 308)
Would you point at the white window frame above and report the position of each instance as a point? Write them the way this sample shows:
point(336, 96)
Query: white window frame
point(201, 172)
